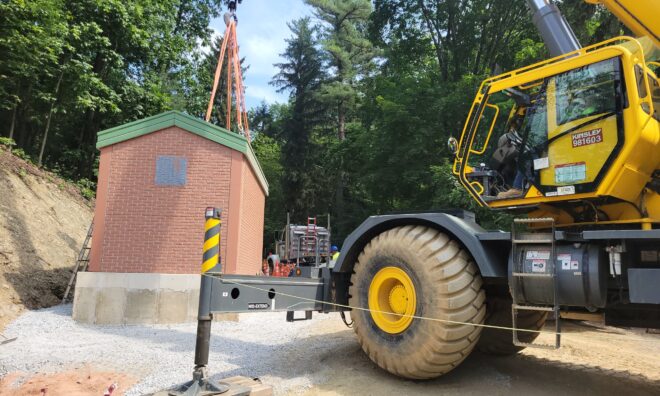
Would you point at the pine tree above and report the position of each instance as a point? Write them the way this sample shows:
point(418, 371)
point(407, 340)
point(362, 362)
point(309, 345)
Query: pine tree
point(301, 74)
point(344, 30)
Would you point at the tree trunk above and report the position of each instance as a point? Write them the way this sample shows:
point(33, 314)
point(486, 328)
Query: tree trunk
point(341, 116)
point(50, 117)
point(339, 200)
point(13, 121)
point(83, 139)
point(436, 36)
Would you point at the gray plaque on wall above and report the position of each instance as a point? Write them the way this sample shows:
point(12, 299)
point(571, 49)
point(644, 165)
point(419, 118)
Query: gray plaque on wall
point(171, 170)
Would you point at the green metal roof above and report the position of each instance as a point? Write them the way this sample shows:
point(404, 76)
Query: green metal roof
point(189, 123)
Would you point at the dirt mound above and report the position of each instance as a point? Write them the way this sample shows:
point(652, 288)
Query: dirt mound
point(77, 382)
point(43, 223)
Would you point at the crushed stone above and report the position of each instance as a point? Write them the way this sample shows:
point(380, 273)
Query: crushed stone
point(163, 355)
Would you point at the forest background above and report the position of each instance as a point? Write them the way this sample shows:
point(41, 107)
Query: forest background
point(375, 90)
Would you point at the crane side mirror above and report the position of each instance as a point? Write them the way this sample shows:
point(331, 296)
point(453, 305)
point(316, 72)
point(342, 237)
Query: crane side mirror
point(452, 145)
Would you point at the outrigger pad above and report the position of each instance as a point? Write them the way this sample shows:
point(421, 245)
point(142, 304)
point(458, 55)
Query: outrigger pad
point(233, 386)
point(200, 387)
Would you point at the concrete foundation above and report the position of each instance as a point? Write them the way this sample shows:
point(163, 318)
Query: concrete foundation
point(137, 298)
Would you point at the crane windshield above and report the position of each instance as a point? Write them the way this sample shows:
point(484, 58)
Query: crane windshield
point(570, 120)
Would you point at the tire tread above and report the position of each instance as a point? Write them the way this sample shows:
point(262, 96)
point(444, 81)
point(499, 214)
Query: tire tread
point(446, 264)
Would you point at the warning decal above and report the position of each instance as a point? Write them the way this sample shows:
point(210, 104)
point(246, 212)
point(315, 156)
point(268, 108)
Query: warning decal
point(587, 137)
point(538, 265)
point(565, 261)
point(538, 254)
point(570, 173)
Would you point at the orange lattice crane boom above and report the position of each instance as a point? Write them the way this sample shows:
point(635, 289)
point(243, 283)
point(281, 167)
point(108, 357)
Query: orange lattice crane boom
point(229, 49)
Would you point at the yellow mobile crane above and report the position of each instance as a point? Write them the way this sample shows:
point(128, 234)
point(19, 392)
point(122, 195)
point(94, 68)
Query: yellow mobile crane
point(571, 147)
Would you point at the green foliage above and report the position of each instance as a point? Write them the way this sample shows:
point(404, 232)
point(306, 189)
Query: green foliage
point(349, 52)
point(466, 36)
point(72, 68)
point(20, 153)
point(448, 193)
point(87, 188)
point(591, 23)
point(404, 74)
point(268, 151)
point(7, 142)
point(301, 74)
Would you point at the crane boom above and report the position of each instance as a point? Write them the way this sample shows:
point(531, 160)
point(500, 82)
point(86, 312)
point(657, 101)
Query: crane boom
point(553, 28)
point(640, 16)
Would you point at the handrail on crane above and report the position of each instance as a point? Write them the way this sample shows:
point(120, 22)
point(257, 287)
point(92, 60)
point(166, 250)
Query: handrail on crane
point(230, 47)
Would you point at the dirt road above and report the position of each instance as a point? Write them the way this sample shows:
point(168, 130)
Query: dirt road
point(592, 361)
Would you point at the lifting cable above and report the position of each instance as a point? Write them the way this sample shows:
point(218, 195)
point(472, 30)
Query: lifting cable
point(455, 322)
point(236, 90)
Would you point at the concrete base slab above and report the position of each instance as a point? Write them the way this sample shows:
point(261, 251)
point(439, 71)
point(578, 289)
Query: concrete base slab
point(172, 306)
point(143, 307)
point(137, 298)
point(110, 305)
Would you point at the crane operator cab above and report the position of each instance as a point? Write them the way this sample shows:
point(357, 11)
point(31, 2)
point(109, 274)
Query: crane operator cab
point(577, 133)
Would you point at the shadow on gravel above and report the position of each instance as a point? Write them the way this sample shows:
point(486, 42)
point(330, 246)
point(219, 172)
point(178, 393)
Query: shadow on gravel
point(352, 373)
point(336, 364)
point(340, 366)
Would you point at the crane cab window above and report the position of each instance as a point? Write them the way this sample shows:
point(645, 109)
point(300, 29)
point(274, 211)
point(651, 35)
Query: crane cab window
point(560, 131)
point(642, 91)
point(586, 91)
point(583, 109)
point(655, 95)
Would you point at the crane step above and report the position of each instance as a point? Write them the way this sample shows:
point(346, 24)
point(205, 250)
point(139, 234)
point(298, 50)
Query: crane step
point(533, 308)
point(535, 241)
point(532, 275)
point(534, 220)
point(533, 345)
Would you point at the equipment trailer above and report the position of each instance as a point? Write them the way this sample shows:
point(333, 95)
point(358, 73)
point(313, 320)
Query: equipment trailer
point(571, 146)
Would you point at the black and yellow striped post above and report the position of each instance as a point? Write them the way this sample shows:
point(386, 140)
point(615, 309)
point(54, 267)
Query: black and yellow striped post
point(210, 267)
point(211, 258)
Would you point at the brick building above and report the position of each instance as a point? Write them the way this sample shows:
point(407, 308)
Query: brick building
point(156, 177)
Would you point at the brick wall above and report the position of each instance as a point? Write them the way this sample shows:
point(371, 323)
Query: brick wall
point(144, 227)
point(251, 223)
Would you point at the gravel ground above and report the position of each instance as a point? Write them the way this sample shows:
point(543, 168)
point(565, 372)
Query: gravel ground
point(310, 358)
point(162, 355)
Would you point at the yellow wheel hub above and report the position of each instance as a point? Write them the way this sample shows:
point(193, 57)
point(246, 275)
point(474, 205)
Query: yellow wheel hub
point(392, 300)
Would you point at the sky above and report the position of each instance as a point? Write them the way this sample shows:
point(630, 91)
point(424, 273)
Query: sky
point(261, 30)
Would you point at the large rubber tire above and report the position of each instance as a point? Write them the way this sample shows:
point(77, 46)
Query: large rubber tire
point(500, 342)
point(447, 286)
